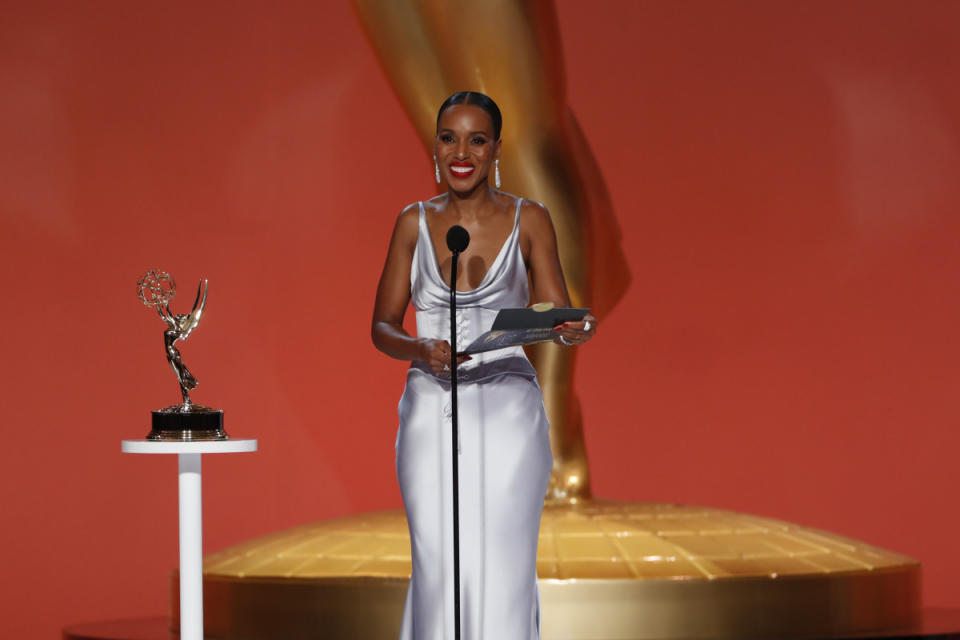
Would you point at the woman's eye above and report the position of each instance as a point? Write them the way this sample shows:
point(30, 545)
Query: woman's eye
point(446, 138)
point(479, 140)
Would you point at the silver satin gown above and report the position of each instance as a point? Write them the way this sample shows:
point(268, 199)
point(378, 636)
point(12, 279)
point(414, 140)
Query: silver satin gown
point(505, 462)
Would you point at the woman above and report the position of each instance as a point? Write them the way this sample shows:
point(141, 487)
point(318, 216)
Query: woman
point(505, 459)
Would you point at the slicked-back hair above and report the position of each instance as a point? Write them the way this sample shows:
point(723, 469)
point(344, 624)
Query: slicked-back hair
point(476, 99)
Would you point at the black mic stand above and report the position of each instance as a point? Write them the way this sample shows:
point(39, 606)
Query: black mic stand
point(456, 445)
point(457, 241)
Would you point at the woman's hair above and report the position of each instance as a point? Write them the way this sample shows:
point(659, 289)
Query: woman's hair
point(476, 99)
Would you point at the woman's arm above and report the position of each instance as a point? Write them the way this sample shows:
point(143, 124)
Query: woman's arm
point(546, 274)
point(393, 296)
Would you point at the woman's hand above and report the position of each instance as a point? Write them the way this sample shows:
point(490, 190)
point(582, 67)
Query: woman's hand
point(572, 333)
point(436, 353)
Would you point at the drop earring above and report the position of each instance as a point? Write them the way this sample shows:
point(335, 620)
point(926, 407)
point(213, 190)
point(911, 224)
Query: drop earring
point(496, 173)
point(436, 169)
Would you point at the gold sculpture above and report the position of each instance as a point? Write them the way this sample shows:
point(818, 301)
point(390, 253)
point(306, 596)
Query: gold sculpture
point(510, 50)
point(608, 570)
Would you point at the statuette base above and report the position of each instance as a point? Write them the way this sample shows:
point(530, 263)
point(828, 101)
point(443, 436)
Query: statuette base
point(187, 422)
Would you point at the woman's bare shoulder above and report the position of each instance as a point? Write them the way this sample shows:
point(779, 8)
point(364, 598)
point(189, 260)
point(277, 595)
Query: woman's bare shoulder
point(533, 207)
point(534, 215)
point(407, 224)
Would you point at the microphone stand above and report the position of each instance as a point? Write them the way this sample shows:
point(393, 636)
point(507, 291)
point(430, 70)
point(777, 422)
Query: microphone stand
point(456, 444)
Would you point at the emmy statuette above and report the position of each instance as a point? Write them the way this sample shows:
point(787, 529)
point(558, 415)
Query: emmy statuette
point(185, 421)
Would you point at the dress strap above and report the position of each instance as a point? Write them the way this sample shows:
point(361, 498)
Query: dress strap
point(423, 232)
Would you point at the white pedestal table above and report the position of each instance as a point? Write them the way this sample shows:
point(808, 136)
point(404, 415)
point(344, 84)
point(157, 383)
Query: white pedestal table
point(191, 518)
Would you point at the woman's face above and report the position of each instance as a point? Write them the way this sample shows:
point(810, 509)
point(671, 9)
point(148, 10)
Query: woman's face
point(465, 146)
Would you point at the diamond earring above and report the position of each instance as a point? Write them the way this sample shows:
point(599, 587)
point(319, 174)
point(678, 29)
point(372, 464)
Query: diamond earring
point(496, 173)
point(436, 169)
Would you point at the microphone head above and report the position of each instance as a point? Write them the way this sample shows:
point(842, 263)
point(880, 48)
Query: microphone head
point(457, 238)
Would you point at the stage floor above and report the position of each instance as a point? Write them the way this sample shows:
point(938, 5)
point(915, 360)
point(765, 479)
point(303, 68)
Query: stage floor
point(938, 624)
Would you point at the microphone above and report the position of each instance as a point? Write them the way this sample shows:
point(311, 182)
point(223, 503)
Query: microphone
point(457, 241)
point(457, 238)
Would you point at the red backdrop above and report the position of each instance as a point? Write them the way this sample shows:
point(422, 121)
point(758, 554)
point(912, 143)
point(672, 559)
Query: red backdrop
point(785, 175)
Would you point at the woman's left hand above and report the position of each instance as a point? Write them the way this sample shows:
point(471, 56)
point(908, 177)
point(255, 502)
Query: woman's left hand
point(573, 333)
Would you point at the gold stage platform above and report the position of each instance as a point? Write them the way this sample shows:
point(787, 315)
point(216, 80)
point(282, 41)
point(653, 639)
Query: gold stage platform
point(608, 571)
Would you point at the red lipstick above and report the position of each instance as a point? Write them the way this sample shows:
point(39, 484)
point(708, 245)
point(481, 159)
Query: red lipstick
point(461, 169)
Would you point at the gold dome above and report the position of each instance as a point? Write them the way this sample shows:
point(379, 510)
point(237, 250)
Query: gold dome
point(607, 570)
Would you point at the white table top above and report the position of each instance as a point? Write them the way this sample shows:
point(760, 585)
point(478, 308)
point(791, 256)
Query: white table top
point(196, 446)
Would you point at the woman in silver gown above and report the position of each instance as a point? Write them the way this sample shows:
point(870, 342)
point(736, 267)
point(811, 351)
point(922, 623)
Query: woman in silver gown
point(505, 459)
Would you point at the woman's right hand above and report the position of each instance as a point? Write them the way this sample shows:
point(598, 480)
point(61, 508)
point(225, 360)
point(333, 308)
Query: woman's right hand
point(436, 353)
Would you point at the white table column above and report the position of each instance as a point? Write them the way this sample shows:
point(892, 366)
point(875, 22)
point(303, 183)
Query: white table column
point(191, 518)
point(191, 547)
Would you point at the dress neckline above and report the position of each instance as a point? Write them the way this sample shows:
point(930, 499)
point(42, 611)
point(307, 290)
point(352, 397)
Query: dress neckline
point(493, 267)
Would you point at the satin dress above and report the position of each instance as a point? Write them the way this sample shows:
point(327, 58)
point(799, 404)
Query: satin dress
point(504, 462)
